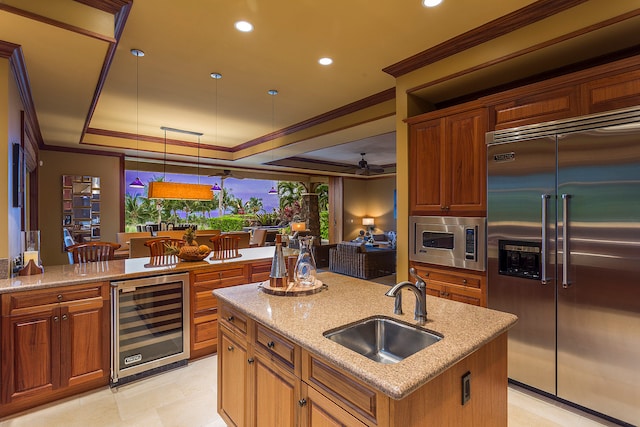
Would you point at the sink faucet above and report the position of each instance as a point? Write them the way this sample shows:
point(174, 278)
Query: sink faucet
point(420, 291)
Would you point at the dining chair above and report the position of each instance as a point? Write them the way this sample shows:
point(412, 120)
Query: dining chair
point(258, 238)
point(225, 246)
point(92, 251)
point(158, 247)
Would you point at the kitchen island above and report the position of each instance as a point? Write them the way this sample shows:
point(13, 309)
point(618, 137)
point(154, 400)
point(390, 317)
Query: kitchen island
point(274, 361)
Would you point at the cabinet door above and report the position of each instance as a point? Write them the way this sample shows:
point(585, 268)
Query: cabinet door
point(464, 169)
point(319, 411)
point(425, 175)
point(31, 353)
point(233, 385)
point(275, 396)
point(84, 342)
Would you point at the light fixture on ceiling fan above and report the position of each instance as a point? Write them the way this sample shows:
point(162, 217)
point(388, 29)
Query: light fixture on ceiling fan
point(364, 168)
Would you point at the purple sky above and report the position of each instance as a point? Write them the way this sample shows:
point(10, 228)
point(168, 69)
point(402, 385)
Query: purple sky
point(242, 188)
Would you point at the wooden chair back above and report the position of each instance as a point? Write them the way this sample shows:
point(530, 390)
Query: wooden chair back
point(225, 246)
point(92, 251)
point(158, 247)
point(258, 238)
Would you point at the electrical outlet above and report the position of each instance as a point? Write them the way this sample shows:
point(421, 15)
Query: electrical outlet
point(466, 387)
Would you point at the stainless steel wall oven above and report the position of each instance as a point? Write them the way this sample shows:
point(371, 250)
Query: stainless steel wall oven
point(150, 326)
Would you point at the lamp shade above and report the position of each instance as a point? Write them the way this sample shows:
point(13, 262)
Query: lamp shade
point(216, 187)
point(273, 191)
point(179, 191)
point(367, 221)
point(298, 226)
point(136, 183)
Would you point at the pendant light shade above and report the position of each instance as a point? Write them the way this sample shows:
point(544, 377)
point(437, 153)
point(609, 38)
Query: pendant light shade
point(216, 187)
point(273, 191)
point(179, 191)
point(136, 183)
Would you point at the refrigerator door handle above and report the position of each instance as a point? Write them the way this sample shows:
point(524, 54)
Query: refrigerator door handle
point(543, 279)
point(565, 240)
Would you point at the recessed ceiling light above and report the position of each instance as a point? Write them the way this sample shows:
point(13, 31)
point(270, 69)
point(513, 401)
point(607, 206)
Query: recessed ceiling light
point(244, 26)
point(216, 76)
point(431, 3)
point(325, 61)
point(272, 92)
point(137, 52)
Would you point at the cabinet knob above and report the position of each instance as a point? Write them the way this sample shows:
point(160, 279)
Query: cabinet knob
point(230, 348)
point(250, 360)
point(271, 344)
point(59, 296)
point(64, 317)
point(302, 402)
point(55, 318)
point(464, 281)
point(230, 319)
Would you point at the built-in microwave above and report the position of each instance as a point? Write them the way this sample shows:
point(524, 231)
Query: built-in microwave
point(449, 241)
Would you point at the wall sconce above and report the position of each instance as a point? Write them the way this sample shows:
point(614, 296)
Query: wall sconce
point(368, 222)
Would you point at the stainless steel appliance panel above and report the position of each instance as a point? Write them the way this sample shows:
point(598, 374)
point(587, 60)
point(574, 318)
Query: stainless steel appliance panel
point(449, 241)
point(599, 270)
point(521, 186)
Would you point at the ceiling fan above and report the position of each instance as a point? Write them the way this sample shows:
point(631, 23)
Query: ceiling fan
point(364, 168)
point(227, 173)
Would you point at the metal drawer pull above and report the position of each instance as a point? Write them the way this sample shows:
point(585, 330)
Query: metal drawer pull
point(230, 319)
point(271, 344)
point(59, 296)
point(302, 402)
point(55, 318)
point(230, 348)
point(64, 317)
point(250, 360)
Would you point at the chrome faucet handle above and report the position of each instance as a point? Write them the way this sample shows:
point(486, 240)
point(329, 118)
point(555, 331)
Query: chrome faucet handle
point(420, 282)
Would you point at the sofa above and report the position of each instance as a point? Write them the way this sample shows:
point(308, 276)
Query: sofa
point(358, 260)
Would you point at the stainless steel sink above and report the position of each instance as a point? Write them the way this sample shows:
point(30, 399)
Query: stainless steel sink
point(383, 339)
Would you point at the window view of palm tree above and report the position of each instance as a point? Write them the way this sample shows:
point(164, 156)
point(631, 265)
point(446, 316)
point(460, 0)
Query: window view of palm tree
point(245, 203)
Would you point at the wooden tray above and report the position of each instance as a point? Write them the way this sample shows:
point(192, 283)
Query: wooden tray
point(294, 291)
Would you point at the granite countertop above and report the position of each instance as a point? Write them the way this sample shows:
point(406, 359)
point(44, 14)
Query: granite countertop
point(73, 274)
point(303, 319)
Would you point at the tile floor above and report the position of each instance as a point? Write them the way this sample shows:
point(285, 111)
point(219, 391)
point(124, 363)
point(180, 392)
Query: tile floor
point(186, 397)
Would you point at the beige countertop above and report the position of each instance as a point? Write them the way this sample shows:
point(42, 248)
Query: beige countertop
point(61, 275)
point(303, 319)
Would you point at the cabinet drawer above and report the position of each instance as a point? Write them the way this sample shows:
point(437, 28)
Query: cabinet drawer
point(23, 300)
point(226, 277)
point(276, 345)
point(454, 279)
point(233, 319)
point(344, 389)
point(259, 272)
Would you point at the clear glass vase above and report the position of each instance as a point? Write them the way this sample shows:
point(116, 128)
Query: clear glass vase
point(305, 272)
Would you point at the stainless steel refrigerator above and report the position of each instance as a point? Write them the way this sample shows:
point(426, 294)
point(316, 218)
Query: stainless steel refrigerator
point(563, 254)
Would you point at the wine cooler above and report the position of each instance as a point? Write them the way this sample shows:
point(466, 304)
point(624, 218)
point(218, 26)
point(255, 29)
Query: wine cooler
point(150, 326)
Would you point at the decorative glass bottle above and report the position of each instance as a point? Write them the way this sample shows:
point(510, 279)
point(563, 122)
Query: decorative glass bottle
point(305, 271)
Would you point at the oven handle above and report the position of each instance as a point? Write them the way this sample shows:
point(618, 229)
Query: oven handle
point(543, 279)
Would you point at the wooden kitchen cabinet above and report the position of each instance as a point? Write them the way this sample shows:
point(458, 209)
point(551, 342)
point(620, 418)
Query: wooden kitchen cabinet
point(258, 385)
point(457, 285)
point(448, 162)
point(204, 306)
point(318, 410)
point(55, 342)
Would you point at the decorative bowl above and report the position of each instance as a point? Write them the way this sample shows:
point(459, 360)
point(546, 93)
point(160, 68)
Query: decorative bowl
point(198, 257)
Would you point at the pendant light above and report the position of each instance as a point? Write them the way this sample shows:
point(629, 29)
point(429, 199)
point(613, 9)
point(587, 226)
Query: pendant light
point(273, 93)
point(217, 76)
point(179, 190)
point(136, 183)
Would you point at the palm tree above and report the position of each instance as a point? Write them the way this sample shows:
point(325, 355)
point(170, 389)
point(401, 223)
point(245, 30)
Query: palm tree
point(323, 196)
point(289, 193)
point(254, 205)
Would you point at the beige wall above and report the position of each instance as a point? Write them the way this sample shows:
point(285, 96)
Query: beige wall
point(54, 165)
point(368, 198)
point(10, 108)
